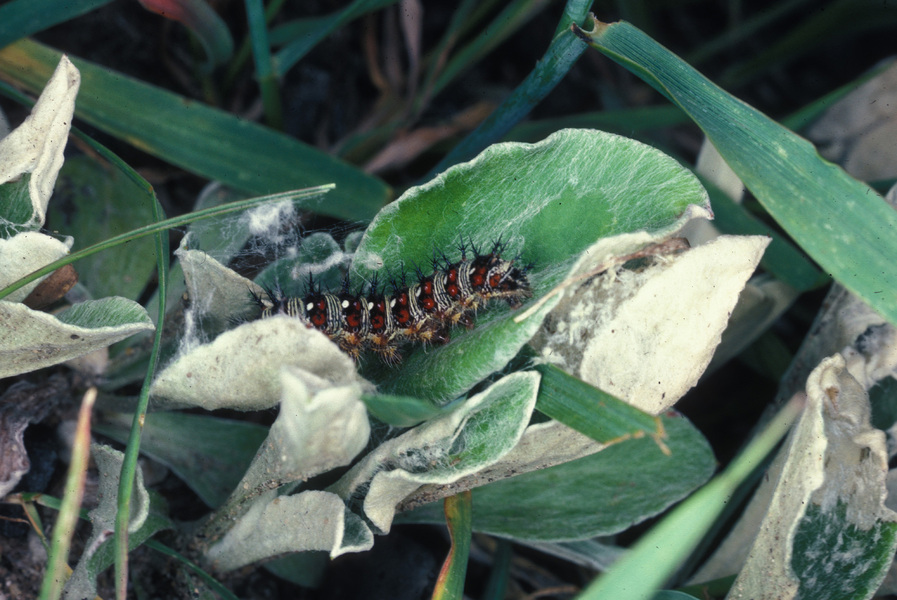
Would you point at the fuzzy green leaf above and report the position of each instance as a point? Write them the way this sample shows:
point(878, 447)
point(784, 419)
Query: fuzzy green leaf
point(548, 202)
point(32, 340)
point(403, 411)
point(600, 494)
point(443, 450)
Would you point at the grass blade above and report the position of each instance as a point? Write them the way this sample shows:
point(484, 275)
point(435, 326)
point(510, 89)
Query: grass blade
point(198, 138)
point(22, 18)
point(660, 552)
point(57, 569)
point(307, 33)
point(563, 52)
point(132, 451)
point(155, 228)
point(264, 70)
point(850, 229)
point(458, 512)
point(591, 411)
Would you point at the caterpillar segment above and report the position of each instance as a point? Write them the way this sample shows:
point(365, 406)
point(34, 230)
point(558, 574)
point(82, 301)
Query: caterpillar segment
point(423, 312)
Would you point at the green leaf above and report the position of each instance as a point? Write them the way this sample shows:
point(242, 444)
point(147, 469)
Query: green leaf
point(305, 34)
point(21, 18)
point(589, 410)
point(548, 202)
point(834, 558)
point(851, 232)
point(93, 203)
point(209, 454)
point(107, 312)
point(403, 411)
point(15, 207)
point(601, 494)
point(561, 55)
point(475, 435)
point(450, 583)
point(662, 551)
point(198, 138)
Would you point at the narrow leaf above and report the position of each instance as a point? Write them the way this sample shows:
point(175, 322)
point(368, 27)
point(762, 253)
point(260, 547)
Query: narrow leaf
point(198, 138)
point(64, 529)
point(450, 583)
point(851, 234)
point(660, 552)
point(22, 18)
point(589, 410)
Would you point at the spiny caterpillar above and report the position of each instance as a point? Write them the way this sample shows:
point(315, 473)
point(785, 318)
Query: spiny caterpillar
point(423, 312)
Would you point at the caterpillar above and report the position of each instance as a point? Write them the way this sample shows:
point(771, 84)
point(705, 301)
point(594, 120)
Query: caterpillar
point(426, 311)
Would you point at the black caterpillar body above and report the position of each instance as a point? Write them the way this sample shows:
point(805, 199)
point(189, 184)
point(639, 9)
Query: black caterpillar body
point(384, 320)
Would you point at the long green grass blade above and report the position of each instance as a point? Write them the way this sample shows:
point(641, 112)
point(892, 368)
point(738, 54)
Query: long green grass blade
point(21, 18)
point(264, 68)
point(70, 508)
point(660, 552)
point(307, 33)
point(590, 411)
point(198, 138)
point(563, 52)
point(513, 16)
point(132, 451)
point(840, 222)
point(155, 228)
